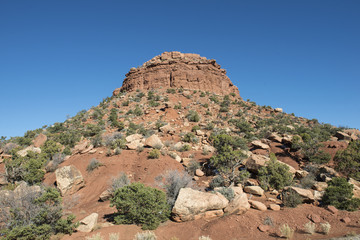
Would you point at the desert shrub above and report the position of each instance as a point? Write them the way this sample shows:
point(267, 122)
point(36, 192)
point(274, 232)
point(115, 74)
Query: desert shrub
point(291, 198)
point(309, 227)
point(57, 159)
point(148, 235)
point(117, 151)
point(339, 194)
point(138, 111)
point(195, 128)
point(141, 205)
point(193, 116)
point(153, 103)
point(202, 94)
point(125, 103)
point(185, 148)
point(97, 141)
point(190, 138)
point(308, 181)
point(96, 236)
point(118, 143)
point(226, 192)
point(93, 164)
point(8, 147)
point(348, 160)
point(268, 221)
point(242, 176)
point(217, 181)
point(228, 156)
point(286, 231)
point(325, 228)
point(91, 130)
point(171, 90)
point(121, 181)
point(154, 154)
point(275, 175)
point(193, 165)
point(114, 236)
point(35, 215)
point(172, 181)
point(50, 148)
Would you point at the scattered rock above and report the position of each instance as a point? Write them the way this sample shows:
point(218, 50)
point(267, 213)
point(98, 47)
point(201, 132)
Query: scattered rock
point(278, 110)
point(258, 205)
point(256, 190)
point(301, 174)
point(320, 186)
point(208, 149)
point(343, 136)
point(88, 223)
point(274, 207)
point(306, 194)
point(167, 129)
point(356, 189)
point(213, 214)
point(199, 173)
point(154, 142)
point(69, 179)
point(191, 203)
point(264, 228)
point(200, 133)
point(134, 145)
point(314, 218)
point(255, 162)
point(346, 220)
point(80, 147)
point(3, 180)
point(332, 209)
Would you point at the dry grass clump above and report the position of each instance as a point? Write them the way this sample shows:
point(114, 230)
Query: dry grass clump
point(147, 235)
point(325, 228)
point(286, 231)
point(310, 227)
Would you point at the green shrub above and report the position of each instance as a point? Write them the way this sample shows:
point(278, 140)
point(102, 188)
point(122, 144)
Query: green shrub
point(154, 154)
point(185, 148)
point(138, 111)
point(275, 175)
point(229, 155)
point(291, 198)
point(195, 128)
point(193, 116)
point(171, 90)
point(339, 194)
point(348, 160)
point(141, 205)
point(190, 138)
point(193, 165)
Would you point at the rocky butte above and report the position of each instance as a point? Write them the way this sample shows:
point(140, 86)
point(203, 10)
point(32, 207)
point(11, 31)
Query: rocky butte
point(179, 70)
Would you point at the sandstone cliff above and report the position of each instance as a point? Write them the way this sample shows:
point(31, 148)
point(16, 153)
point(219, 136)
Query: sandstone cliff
point(179, 70)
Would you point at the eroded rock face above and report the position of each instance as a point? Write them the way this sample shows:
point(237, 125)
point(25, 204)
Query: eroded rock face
point(179, 70)
point(69, 179)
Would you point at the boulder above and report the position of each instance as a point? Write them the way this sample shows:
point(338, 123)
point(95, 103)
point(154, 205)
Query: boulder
point(255, 190)
point(3, 180)
point(167, 129)
point(87, 224)
point(191, 203)
point(332, 209)
point(134, 145)
point(343, 136)
point(306, 194)
point(25, 151)
point(211, 214)
point(106, 195)
point(258, 205)
point(255, 162)
point(278, 110)
point(154, 142)
point(69, 179)
point(200, 133)
point(274, 137)
point(320, 186)
point(208, 149)
point(259, 144)
point(238, 205)
point(314, 218)
point(133, 137)
point(356, 189)
point(39, 140)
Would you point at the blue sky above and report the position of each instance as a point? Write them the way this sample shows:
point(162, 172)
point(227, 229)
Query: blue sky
point(59, 57)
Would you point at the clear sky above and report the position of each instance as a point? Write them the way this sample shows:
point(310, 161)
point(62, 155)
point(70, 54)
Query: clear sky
point(59, 57)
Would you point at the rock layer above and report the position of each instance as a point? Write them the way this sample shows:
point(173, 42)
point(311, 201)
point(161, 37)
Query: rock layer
point(179, 70)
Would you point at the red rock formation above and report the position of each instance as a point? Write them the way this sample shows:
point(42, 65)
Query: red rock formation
point(179, 70)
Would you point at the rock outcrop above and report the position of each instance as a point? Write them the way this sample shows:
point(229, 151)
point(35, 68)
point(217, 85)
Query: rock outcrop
point(69, 179)
point(179, 70)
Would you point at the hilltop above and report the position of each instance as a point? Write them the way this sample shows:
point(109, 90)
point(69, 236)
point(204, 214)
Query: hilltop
point(176, 123)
